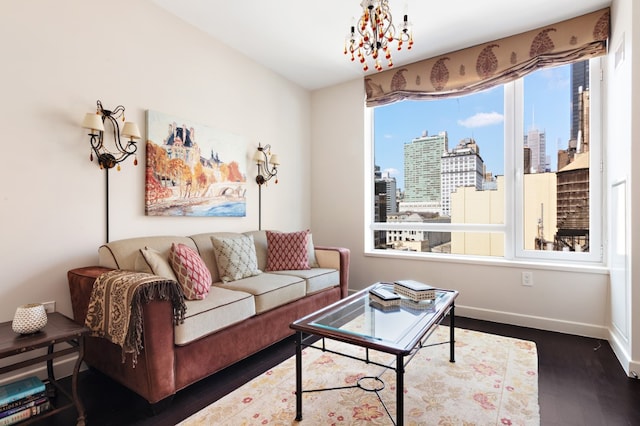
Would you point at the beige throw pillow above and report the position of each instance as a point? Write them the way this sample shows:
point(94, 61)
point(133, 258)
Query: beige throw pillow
point(236, 257)
point(152, 261)
point(313, 262)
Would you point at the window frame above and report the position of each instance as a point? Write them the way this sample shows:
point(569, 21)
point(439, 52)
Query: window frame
point(513, 227)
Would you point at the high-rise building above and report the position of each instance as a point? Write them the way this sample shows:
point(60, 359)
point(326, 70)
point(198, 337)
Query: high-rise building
point(579, 84)
point(574, 168)
point(462, 166)
point(422, 169)
point(527, 159)
point(536, 141)
point(386, 192)
point(579, 139)
point(384, 201)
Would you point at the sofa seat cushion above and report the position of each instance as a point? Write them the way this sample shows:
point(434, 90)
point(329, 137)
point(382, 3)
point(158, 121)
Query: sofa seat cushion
point(317, 279)
point(221, 308)
point(270, 290)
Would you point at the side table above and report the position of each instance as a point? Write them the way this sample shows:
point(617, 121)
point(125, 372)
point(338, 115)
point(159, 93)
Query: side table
point(59, 330)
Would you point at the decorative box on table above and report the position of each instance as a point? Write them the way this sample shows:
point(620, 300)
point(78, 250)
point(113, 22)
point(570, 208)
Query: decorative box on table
point(414, 290)
point(384, 297)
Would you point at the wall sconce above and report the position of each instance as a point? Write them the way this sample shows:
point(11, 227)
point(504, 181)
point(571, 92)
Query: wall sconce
point(267, 168)
point(108, 159)
point(95, 122)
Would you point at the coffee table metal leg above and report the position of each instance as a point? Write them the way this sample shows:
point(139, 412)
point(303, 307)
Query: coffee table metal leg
point(298, 376)
point(399, 390)
point(452, 326)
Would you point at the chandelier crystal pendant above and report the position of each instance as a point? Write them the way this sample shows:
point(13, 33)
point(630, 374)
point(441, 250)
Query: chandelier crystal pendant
point(373, 33)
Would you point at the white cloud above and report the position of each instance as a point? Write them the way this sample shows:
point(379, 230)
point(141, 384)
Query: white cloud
point(391, 171)
point(482, 119)
point(554, 78)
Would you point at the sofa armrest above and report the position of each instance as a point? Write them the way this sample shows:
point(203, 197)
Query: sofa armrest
point(336, 258)
point(154, 376)
point(80, 286)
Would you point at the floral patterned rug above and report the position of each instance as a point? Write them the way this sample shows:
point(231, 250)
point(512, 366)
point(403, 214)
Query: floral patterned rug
point(494, 381)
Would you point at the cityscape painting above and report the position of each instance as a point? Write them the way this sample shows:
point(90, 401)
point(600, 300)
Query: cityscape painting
point(193, 170)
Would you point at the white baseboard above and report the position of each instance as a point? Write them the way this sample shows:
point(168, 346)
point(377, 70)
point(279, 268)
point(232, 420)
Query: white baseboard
point(540, 323)
point(621, 349)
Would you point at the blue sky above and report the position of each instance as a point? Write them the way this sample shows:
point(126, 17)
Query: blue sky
point(479, 116)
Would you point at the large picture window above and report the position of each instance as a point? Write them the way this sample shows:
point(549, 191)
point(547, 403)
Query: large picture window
point(509, 172)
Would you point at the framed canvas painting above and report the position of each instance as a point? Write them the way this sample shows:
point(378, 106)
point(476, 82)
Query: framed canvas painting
point(193, 170)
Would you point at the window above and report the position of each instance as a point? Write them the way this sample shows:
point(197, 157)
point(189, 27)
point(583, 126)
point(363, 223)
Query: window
point(510, 172)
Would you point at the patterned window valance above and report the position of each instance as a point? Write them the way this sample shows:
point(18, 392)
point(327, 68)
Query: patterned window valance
point(496, 62)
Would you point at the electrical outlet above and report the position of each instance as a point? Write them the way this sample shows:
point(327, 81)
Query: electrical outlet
point(527, 278)
point(49, 307)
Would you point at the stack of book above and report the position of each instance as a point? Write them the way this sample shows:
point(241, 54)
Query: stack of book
point(414, 290)
point(22, 399)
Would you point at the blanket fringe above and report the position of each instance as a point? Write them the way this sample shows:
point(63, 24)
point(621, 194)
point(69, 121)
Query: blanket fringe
point(160, 290)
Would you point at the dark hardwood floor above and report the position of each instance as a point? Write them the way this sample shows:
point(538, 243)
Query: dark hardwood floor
point(580, 383)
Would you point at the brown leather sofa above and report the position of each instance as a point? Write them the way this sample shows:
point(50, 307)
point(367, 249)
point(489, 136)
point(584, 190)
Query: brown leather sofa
point(170, 362)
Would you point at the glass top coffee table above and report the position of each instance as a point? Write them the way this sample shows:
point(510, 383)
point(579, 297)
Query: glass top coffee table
point(400, 329)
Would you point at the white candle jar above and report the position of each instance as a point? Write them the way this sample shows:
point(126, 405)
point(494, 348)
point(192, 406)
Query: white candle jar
point(29, 318)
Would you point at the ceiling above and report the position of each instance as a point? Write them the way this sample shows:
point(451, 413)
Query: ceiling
point(303, 40)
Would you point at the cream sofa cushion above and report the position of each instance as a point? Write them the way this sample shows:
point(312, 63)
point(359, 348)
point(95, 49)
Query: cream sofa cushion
point(221, 308)
point(316, 278)
point(270, 290)
point(260, 241)
point(122, 254)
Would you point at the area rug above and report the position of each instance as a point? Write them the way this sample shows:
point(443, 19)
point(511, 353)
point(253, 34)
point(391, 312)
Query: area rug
point(494, 381)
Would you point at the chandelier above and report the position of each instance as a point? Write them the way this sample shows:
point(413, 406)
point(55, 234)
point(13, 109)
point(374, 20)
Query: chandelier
point(373, 33)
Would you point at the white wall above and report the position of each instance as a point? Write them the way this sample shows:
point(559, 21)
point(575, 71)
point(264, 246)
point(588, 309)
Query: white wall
point(58, 59)
point(634, 171)
point(623, 138)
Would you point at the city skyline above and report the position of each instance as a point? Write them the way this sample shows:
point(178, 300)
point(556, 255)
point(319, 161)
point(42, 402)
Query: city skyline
point(479, 116)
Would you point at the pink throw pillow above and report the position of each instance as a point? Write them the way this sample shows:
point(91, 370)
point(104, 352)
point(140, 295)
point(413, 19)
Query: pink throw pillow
point(287, 251)
point(193, 275)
